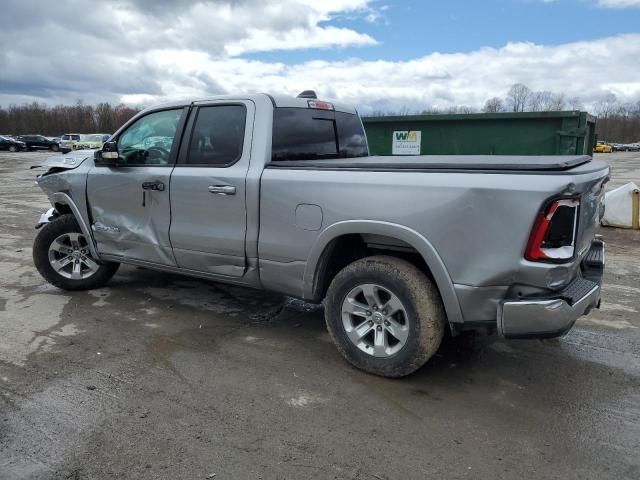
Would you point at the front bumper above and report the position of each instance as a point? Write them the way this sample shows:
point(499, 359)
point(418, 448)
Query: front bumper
point(553, 316)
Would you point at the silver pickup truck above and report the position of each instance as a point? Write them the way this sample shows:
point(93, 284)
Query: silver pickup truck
point(280, 193)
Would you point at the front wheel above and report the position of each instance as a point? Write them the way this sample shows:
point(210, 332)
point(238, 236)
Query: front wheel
point(13, 148)
point(62, 256)
point(54, 148)
point(385, 316)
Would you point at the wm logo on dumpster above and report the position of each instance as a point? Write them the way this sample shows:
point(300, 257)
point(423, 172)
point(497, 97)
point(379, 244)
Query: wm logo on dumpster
point(406, 142)
point(406, 136)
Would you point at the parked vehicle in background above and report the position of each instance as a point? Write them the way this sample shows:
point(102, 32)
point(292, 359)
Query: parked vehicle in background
point(66, 141)
point(38, 142)
point(627, 147)
point(91, 141)
point(280, 193)
point(54, 139)
point(602, 147)
point(11, 144)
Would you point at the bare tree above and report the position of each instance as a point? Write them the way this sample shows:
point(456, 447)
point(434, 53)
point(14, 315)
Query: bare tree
point(430, 111)
point(80, 118)
point(574, 103)
point(556, 102)
point(546, 101)
point(493, 105)
point(536, 101)
point(465, 109)
point(518, 97)
point(606, 106)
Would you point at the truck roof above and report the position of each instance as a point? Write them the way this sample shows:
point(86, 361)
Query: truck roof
point(279, 101)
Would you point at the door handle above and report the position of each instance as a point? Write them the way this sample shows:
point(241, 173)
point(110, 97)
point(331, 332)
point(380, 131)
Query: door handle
point(159, 186)
point(222, 189)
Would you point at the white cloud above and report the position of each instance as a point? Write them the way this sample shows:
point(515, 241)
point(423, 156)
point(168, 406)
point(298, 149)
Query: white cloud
point(581, 69)
point(618, 3)
point(142, 51)
point(314, 37)
point(104, 55)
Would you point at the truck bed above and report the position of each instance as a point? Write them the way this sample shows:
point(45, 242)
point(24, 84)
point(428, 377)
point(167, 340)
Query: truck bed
point(480, 163)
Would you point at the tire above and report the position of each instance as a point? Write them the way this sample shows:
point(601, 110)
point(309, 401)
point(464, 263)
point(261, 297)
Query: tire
point(419, 326)
point(13, 148)
point(54, 148)
point(62, 244)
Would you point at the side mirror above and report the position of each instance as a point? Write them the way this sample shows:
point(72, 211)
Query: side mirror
point(108, 156)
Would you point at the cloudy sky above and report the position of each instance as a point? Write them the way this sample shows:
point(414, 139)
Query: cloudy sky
point(376, 54)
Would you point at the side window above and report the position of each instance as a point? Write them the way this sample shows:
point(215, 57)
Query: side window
point(351, 136)
point(310, 134)
point(65, 137)
point(218, 136)
point(149, 139)
point(303, 134)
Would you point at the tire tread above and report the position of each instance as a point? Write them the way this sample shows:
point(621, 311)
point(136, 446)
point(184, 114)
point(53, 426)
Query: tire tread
point(425, 300)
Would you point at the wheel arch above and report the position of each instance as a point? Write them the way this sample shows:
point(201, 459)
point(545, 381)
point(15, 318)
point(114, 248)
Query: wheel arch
point(317, 268)
point(64, 204)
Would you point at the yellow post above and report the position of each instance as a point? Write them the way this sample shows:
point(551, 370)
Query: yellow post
point(635, 209)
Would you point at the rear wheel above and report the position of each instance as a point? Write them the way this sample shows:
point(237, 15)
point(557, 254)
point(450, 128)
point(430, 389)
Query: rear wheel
point(13, 148)
point(62, 256)
point(385, 316)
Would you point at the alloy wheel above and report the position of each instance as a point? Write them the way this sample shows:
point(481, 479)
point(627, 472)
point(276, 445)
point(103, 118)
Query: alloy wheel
point(375, 320)
point(69, 257)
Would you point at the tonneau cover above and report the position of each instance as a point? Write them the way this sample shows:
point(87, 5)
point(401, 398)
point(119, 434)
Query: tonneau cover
point(548, 163)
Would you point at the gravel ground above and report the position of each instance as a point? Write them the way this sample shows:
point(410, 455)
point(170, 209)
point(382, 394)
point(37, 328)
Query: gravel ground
point(163, 377)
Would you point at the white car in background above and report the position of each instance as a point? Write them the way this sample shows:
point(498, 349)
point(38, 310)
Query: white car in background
point(92, 141)
point(66, 141)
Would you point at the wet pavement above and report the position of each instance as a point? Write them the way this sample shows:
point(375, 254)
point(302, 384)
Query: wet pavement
point(163, 377)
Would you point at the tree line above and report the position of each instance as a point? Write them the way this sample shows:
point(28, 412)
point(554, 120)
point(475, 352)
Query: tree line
point(617, 121)
point(38, 118)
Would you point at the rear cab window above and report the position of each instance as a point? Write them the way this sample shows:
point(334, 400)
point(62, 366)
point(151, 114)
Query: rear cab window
point(314, 134)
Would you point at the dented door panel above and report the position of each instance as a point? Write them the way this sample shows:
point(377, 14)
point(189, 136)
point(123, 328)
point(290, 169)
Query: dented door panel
point(126, 220)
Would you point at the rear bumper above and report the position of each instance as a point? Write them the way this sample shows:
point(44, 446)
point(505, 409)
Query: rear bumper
point(554, 316)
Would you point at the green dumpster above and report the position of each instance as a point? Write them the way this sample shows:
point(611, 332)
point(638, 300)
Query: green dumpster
point(535, 133)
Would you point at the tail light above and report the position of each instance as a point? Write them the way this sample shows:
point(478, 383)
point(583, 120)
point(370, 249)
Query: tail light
point(554, 233)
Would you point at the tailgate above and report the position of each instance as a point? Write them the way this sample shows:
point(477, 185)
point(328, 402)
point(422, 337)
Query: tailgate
point(591, 212)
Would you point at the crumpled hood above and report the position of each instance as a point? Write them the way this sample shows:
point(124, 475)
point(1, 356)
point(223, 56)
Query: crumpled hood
point(65, 162)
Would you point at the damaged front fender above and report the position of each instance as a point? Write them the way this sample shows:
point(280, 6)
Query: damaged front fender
point(60, 198)
point(58, 163)
point(47, 217)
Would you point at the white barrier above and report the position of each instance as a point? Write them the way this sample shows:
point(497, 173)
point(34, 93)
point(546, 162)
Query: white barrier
point(622, 207)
